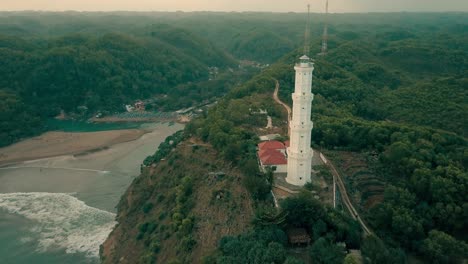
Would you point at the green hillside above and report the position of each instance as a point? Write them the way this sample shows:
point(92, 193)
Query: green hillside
point(392, 89)
point(99, 73)
point(408, 109)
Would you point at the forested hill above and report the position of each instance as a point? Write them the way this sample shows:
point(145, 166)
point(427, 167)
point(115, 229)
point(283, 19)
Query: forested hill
point(40, 76)
point(189, 42)
point(394, 75)
point(397, 98)
point(263, 37)
point(393, 92)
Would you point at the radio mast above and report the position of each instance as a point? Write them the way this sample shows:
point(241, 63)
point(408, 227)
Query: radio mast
point(325, 33)
point(307, 33)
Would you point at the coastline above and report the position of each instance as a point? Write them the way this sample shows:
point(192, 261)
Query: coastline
point(50, 194)
point(55, 143)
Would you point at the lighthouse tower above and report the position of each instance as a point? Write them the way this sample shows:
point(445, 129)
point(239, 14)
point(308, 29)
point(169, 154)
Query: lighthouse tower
point(299, 152)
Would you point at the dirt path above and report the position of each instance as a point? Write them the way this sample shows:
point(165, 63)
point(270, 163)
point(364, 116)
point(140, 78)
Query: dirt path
point(345, 198)
point(269, 122)
point(288, 109)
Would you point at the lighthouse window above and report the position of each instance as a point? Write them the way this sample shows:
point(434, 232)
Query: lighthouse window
point(300, 178)
point(302, 164)
point(303, 93)
point(302, 136)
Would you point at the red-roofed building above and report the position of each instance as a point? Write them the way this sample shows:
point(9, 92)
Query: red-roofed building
point(273, 154)
point(272, 144)
point(272, 157)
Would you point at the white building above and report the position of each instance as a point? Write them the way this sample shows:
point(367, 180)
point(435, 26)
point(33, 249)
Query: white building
point(300, 153)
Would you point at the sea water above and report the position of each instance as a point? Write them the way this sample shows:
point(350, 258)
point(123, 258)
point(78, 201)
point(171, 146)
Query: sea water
point(60, 210)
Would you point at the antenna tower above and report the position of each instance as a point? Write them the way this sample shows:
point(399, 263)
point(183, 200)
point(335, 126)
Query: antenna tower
point(325, 32)
point(307, 33)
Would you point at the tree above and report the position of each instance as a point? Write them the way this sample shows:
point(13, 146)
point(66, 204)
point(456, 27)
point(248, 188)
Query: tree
point(291, 260)
point(233, 153)
point(374, 251)
point(259, 246)
point(344, 228)
point(397, 155)
point(350, 259)
point(258, 186)
point(441, 248)
point(323, 251)
point(319, 228)
point(303, 210)
point(275, 253)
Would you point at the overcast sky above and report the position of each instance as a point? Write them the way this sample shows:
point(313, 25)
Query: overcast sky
point(337, 6)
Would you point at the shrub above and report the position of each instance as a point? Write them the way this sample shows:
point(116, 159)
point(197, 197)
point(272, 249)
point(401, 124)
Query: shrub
point(155, 246)
point(187, 243)
point(160, 198)
point(147, 207)
point(162, 215)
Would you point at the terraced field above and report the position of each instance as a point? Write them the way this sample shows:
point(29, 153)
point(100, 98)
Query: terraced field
point(365, 188)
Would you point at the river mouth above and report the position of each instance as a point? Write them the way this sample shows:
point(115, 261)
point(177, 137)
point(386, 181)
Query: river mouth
point(60, 209)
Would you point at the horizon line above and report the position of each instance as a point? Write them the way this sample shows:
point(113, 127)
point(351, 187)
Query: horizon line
point(211, 11)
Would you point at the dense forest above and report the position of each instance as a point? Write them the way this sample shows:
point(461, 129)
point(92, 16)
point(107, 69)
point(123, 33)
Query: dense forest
point(392, 87)
point(82, 74)
point(399, 94)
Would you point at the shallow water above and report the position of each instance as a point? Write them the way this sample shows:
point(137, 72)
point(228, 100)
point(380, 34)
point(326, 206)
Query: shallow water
point(83, 126)
point(59, 210)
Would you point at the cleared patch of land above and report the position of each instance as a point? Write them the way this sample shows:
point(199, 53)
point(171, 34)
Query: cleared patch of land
point(364, 186)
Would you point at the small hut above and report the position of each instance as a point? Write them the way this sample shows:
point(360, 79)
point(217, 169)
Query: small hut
point(139, 106)
point(298, 236)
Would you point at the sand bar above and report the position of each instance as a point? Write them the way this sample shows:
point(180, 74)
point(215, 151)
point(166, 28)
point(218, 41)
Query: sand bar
point(53, 144)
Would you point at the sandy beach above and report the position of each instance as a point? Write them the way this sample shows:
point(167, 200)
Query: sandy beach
point(53, 144)
point(59, 209)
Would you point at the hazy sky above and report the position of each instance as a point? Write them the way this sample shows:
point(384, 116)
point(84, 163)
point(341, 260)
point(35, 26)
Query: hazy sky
point(236, 5)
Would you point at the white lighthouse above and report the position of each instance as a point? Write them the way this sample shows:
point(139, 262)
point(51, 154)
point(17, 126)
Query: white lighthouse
point(299, 152)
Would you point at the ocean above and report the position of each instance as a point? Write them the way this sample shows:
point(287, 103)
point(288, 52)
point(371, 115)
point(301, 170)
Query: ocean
point(61, 209)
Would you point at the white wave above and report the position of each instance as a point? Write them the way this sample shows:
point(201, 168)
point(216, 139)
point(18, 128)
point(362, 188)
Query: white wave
point(61, 221)
point(25, 240)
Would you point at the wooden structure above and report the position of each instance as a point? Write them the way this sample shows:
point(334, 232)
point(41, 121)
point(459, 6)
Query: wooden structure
point(298, 236)
point(139, 106)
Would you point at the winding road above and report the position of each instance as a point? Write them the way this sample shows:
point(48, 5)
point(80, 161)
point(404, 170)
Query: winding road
point(288, 109)
point(336, 175)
